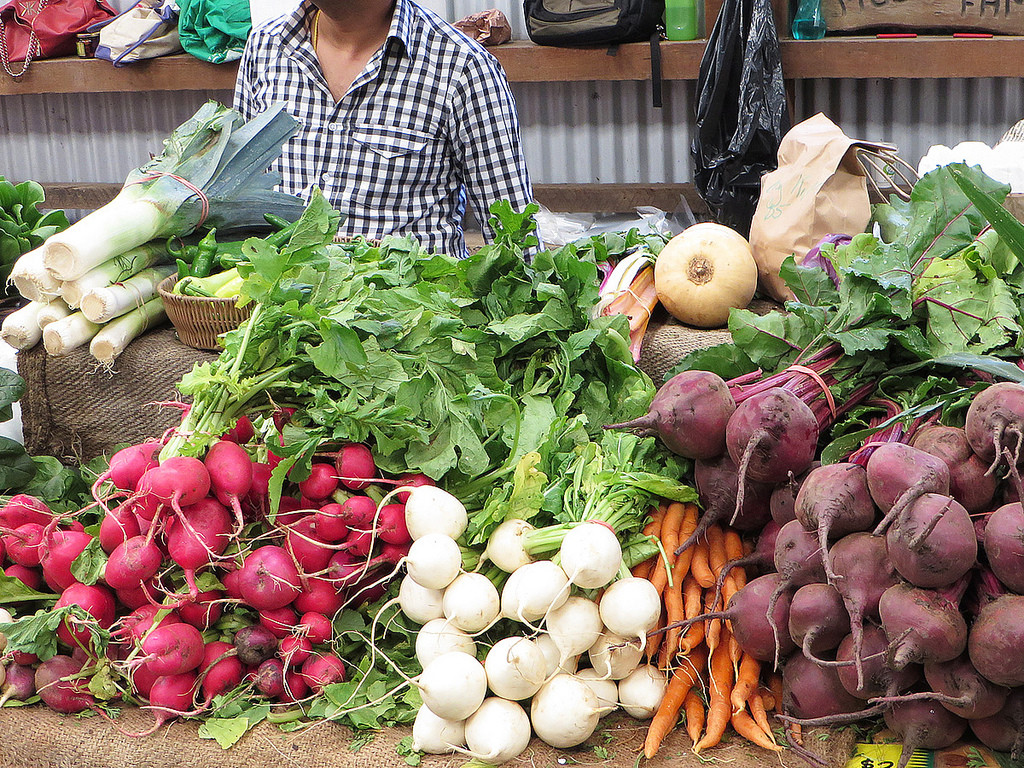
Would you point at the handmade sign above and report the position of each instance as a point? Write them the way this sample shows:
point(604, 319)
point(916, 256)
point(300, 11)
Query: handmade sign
point(996, 16)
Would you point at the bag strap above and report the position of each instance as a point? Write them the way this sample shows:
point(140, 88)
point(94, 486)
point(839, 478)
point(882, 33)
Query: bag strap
point(657, 84)
point(33, 41)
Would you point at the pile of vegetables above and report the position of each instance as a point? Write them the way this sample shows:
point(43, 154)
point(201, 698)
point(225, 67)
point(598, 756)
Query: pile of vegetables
point(95, 282)
point(23, 227)
point(315, 449)
point(862, 441)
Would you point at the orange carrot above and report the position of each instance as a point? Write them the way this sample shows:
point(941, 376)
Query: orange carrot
point(713, 627)
point(694, 708)
point(718, 694)
point(656, 641)
point(669, 540)
point(683, 679)
point(797, 732)
point(759, 710)
point(733, 544)
point(745, 726)
point(674, 611)
point(716, 550)
point(775, 686)
point(746, 682)
point(699, 566)
point(692, 606)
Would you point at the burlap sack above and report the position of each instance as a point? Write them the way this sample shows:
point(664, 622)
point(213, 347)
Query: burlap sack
point(37, 737)
point(75, 410)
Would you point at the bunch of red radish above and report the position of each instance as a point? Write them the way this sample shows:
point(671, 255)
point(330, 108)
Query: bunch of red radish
point(893, 582)
point(165, 524)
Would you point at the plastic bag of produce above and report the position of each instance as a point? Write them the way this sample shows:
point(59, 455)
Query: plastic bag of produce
point(214, 30)
point(145, 31)
point(741, 111)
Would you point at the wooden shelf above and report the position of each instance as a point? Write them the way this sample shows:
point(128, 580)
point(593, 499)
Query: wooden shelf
point(836, 57)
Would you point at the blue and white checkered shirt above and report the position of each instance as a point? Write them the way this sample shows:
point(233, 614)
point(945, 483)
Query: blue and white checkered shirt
point(428, 126)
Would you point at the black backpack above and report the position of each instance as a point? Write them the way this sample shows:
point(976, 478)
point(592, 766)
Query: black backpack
point(592, 22)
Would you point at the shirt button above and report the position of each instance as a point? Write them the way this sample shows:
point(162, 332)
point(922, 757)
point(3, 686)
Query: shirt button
point(325, 178)
point(336, 127)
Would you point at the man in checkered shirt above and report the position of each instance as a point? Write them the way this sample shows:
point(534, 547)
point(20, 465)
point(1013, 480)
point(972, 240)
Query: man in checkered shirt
point(404, 121)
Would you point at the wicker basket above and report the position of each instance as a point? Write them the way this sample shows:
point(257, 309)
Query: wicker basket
point(200, 320)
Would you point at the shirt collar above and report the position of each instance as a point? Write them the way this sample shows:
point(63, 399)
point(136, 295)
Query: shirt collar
point(294, 27)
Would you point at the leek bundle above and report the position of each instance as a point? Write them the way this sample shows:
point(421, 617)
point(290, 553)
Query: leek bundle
point(213, 171)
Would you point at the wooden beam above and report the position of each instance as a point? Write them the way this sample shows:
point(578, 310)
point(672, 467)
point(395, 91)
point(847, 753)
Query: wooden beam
point(564, 198)
point(167, 73)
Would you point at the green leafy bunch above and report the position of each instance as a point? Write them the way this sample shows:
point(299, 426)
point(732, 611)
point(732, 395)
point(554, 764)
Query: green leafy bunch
point(22, 226)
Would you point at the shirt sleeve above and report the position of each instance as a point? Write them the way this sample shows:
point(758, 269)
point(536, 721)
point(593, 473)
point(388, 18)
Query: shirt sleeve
point(487, 141)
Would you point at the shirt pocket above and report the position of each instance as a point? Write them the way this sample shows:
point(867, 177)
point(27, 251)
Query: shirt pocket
point(391, 143)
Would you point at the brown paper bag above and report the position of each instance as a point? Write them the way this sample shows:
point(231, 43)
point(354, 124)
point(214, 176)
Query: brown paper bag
point(820, 188)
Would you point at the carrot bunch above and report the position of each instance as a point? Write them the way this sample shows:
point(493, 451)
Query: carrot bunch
point(705, 657)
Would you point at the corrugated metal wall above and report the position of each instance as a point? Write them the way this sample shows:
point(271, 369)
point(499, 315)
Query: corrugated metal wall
point(574, 132)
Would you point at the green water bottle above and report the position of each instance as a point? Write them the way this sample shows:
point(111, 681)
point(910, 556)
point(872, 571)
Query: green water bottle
point(808, 21)
point(680, 19)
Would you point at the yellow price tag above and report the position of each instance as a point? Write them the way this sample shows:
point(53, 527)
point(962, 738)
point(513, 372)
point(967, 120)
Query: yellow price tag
point(887, 756)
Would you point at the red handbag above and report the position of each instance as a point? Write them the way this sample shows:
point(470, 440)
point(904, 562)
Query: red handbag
point(40, 29)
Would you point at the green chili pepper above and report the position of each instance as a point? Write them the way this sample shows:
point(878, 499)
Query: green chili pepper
point(183, 268)
point(275, 221)
point(282, 236)
point(206, 250)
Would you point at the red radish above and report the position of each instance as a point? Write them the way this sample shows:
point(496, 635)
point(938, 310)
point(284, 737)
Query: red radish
point(310, 552)
point(172, 649)
point(118, 525)
point(319, 595)
point(294, 650)
point(255, 644)
point(197, 535)
point(256, 504)
point(290, 510)
point(171, 696)
point(132, 562)
point(145, 593)
point(282, 416)
point(97, 601)
point(22, 508)
point(280, 621)
point(142, 619)
point(295, 688)
point(321, 483)
point(970, 483)
point(204, 612)
point(230, 471)
point(411, 480)
point(316, 626)
point(359, 512)
point(23, 544)
point(322, 669)
point(330, 523)
point(242, 432)
point(28, 576)
point(689, 414)
point(178, 481)
point(355, 466)
point(58, 552)
point(142, 680)
point(220, 670)
point(3, 550)
point(898, 475)
point(391, 525)
point(359, 543)
point(20, 684)
point(57, 689)
point(232, 584)
point(146, 508)
point(128, 465)
point(269, 578)
point(270, 678)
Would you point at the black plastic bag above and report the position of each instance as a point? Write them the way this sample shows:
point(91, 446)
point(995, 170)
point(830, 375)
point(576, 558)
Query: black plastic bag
point(742, 112)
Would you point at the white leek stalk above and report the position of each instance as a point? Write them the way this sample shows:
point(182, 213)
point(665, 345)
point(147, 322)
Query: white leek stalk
point(55, 310)
point(62, 336)
point(114, 270)
point(21, 328)
point(32, 279)
point(118, 333)
point(126, 222)
point(103, 304)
